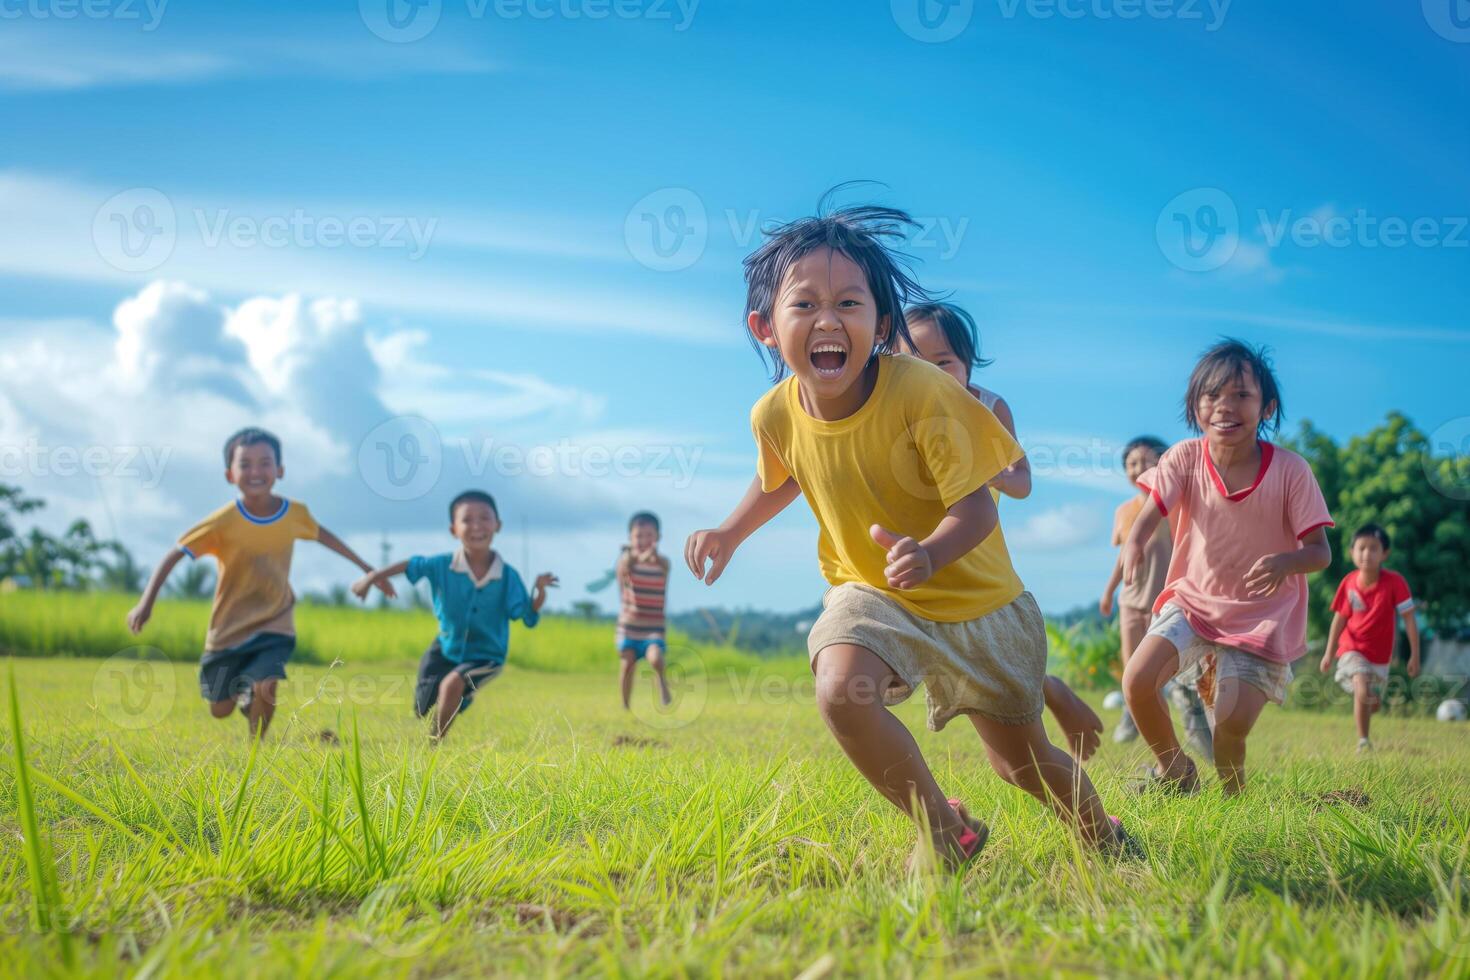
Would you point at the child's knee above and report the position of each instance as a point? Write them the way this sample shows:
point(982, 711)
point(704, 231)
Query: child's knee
point(1137, 682)
point(452, 685)
point(656, 657)
point(222, 709)
point(841, 696)
point(1233, 726)
point(266, 690)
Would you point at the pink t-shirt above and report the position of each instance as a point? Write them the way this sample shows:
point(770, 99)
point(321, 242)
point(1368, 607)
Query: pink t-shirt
point(1219, 536)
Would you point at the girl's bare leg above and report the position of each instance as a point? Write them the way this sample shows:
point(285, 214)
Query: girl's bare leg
point(1024, 757)
point(850, 681)
point(1152, 664)
point(1237, 706)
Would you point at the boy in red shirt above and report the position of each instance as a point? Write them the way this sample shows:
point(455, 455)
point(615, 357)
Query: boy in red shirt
point(1362, 633)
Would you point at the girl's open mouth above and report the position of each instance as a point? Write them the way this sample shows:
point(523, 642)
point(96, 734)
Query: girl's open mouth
point(829, 360)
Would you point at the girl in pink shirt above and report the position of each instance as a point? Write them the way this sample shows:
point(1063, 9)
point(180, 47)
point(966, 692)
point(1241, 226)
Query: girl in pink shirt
point(1249, 525)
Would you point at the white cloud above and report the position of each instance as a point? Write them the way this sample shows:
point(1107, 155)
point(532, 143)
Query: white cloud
point(61, 229)
point(176, 371)
point(39, 57)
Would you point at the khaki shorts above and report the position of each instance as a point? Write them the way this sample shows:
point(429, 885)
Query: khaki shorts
point(1202, 664)
point(993, 666)
point(1352, 663)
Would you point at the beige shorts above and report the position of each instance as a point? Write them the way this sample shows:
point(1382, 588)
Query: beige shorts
point(993, 666)
point(1352, 663)
point(1203, 664)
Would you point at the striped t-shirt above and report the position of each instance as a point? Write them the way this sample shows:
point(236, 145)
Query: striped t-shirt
point(644, 584)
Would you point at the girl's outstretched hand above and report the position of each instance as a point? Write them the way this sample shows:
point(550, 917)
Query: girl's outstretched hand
point(546, 580)
point(713, 546)
point(909, 564)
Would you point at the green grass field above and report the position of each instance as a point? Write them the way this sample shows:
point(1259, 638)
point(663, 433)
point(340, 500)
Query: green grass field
point(555, 834)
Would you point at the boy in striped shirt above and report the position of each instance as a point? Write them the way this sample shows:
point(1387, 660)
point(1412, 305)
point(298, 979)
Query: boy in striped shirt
point(643, 578)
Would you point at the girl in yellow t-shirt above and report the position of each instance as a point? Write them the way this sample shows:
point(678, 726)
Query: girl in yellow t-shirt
point(896, 468)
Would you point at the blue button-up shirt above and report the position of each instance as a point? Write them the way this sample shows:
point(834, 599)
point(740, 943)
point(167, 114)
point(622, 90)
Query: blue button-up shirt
point(474, 615)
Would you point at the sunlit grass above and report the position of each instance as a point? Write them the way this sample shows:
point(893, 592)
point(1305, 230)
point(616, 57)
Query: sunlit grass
point(553, 833)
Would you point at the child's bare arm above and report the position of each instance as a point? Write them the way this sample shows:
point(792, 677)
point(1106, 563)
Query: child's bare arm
point(968, 522)
point(716, 546)
point(377, 577)
point(1015, 480)
point(1143, 529)
point(1267, 574)
point(1333, 633)
point(1105, 605)
point(1411, 627)
point(538, 593)
point(138, 617)
point(333, 543)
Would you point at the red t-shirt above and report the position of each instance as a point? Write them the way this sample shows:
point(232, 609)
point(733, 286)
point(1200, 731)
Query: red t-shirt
point(1371, 614)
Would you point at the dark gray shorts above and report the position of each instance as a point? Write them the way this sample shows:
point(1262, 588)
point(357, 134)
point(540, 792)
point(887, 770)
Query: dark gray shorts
point(434, 667)
point(224, 674)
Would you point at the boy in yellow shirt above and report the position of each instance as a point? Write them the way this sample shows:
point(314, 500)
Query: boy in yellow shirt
point(894, 462)
point(252, 631)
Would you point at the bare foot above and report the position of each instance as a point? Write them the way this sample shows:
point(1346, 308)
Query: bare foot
point(945, 844)
point(1080, 724)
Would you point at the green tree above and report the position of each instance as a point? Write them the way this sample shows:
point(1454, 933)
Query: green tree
point(1393, 477)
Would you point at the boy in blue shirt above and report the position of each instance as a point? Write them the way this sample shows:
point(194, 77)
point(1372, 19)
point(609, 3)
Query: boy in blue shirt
point(476, 595)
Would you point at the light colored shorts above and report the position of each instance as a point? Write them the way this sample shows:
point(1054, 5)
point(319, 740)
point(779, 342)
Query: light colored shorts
point(993, 666)
point(1352, 663)
point(1203, 664)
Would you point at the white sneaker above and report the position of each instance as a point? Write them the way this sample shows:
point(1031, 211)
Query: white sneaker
point(1364, 745)
point(1126, 731)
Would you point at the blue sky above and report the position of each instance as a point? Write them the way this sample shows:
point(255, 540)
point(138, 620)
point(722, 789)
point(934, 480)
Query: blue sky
point(503, 284)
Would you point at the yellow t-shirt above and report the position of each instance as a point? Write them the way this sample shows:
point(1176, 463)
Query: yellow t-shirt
point(253, 594)
point(917, 446)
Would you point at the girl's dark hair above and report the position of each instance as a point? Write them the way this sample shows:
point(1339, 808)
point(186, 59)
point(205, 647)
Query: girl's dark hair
point(251, 437)
point(645, 517)
point(959, 330)
point(1225, 362)
point(473, 497)
point(1372, 531)
point(1158, 445)
point(863, 233)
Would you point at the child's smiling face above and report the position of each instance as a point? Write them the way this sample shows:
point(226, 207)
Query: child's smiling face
point(254, 470)
point(1140, 461)
point(1231, 416)
point(824, 322)
point(930, 344)
point(475, 523)
point(642, 537)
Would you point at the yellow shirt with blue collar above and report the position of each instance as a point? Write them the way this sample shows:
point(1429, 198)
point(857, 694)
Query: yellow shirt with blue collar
point(474, 614)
